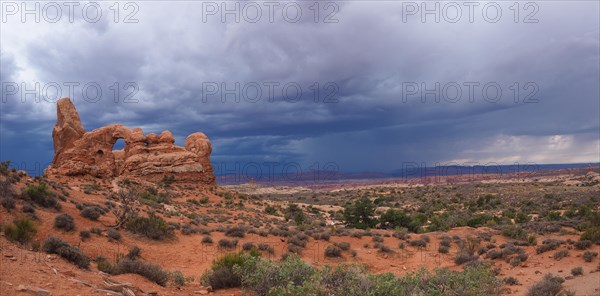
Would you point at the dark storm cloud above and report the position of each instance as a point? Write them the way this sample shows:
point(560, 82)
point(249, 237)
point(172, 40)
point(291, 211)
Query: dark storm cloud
point(370, 54)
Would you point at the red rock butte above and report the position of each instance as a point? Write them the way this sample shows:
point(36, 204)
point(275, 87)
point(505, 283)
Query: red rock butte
point(148, 157)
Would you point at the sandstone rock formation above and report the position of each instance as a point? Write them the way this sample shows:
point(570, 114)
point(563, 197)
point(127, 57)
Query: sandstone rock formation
point(150, 157)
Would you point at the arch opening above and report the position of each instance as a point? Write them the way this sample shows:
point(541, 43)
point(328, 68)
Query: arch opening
point(119, 145)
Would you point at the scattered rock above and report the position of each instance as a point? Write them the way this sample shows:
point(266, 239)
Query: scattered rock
point(41, 292)
point(34, 290)
point(68, 273)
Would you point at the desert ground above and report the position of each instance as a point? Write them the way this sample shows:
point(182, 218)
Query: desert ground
point(521, 228)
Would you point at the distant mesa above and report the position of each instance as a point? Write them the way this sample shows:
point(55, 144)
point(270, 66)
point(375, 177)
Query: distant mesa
point(148, 157)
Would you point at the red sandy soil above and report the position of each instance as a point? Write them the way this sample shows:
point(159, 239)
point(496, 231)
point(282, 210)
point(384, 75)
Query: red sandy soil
point(188, 255)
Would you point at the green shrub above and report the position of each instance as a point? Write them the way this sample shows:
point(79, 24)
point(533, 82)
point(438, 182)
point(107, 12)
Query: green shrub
point(114, 234)
point(8, 203)
point(548, 245)
point(394, 218)
point(589, 256)
point(507, 252)
point(295, 249)
point(150, 271)
point(577, 271)
point(292, 276)
point(553, 216)
point(85, 234)
point(64, 222)
point(105, 266)
point(402, 233)
point(592, 234)
point(134, 253)
point(511, 281)
point(91, 212)
point(167, 180)
point(27, 208)
point(481, 219)
point(360, 214)
point(248, 246)
point(187, 229)
point(560, 254)
point(583, 244)
point(265, 247)
point(228, 244)
point(270, 210)
point(153, 227)
point(522, 217)
point(75, 256)
point(299, 240)
point(54, 245)
point(333, 251)
point(348, 279)
point(377, 239)
point(463, 257)
point(345, 246)
point(20, 230)
point(515, 232)
point(295, 213)
point(383, 248)
point(445, 241)
point(236, 232)
point(41, 196)
point(51, 244)
point(178, 278)
point(418, 220)
point(153, 198)
point(207, 240)
point(265, 277)
point(120, 267)
point(220, 278)
point(130, 264)
point(549, 286)
point(419, 243)
point(221, 275)
point(443, 249)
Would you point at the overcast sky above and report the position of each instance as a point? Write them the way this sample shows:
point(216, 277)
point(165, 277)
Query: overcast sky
point(371, 61)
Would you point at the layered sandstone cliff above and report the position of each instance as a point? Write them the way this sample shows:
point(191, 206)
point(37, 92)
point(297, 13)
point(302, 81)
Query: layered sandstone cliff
point(150, 157)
